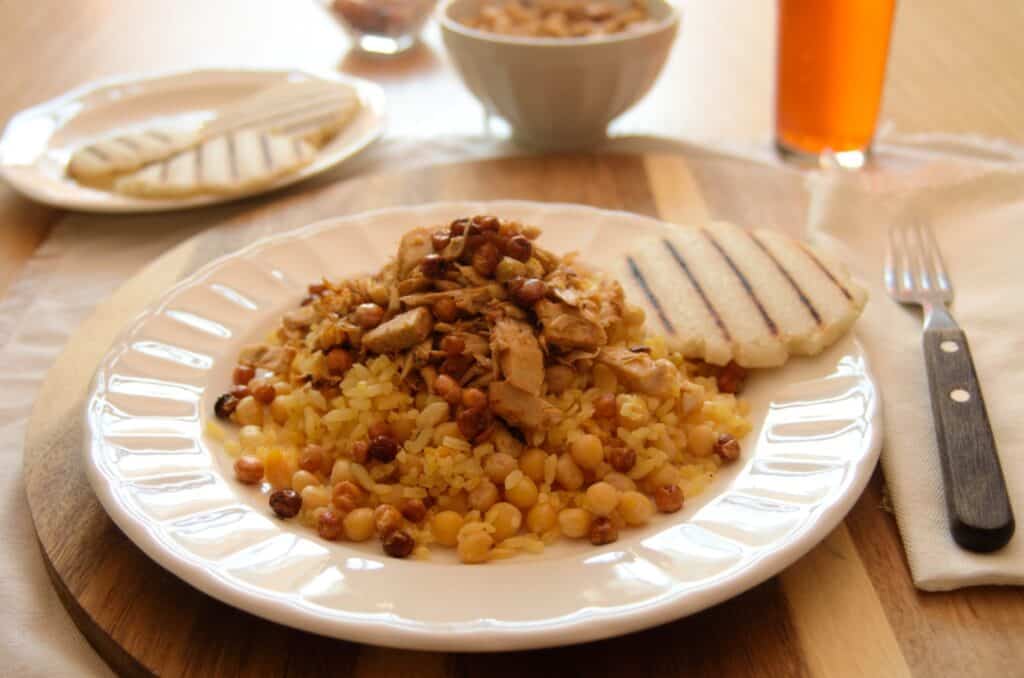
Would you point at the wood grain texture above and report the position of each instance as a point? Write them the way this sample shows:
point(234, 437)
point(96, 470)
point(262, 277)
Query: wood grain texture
point(848, 608)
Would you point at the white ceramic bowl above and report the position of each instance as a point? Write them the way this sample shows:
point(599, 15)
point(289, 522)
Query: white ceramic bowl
point(558, 93)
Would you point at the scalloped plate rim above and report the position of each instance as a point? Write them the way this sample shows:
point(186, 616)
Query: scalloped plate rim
point(490, 637)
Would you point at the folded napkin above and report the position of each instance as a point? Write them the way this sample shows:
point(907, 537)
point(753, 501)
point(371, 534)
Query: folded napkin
point(977, 212)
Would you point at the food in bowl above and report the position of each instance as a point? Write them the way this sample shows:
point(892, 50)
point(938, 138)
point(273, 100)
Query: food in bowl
point(559, 18)
point(558, 93)
point(479, 393)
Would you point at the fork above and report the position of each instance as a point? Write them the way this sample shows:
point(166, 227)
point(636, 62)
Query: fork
point(979, 510)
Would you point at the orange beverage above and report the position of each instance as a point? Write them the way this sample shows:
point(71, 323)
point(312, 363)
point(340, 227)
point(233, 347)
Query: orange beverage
point(831, 69)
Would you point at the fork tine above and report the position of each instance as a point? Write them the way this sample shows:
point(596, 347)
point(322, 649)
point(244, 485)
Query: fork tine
point(890, 265)
point(906, 277)
point(919, 251)
point(934, 256)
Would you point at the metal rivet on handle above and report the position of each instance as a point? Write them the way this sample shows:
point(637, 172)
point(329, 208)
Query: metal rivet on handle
point(949, 346)
point(959, 395)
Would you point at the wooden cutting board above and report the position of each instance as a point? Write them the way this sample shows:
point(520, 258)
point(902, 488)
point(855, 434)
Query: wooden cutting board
point(824, 615)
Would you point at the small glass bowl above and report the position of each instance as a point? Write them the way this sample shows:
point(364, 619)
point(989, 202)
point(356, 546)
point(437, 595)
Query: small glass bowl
point(382, 26)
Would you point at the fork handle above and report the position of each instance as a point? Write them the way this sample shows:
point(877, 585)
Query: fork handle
point(976, 498)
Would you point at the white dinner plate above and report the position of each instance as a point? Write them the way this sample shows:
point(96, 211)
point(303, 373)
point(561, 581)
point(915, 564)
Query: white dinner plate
point(171, 489)
point(37, 143)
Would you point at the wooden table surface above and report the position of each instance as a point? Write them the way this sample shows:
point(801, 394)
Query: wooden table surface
point(955, 67)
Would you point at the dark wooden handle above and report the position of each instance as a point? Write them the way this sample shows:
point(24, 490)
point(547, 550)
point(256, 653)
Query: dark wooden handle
point(979, 508)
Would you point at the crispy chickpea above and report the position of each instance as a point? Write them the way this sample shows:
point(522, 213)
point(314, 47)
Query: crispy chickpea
point(635, 508)
point(262, 391)
point(341, 471)
point(433, 266)
point(668, 498)
point(445, 527)
point(621, 458)
point(488, 223)
point(439, 240)
point(243, 374)
point(662, 476)
point(339, 360)
point(456, 366)
point(727, 447)
point(587, 451)
point(358, 524)
point(531, 463)
point(279, 408)
point(603, 531)
point(458, 227)
point(368, 315)
point(413, 510)
point(605, 406)
point(731, 378)
point(509, 268)
point(286, 503)
point(519, 248)
point(701, 440)
point(249, 412)
point(568, 474)
point(445, 310)
point(346, 496)
point(302, 479)
point(387, 519)
point(330, 525)
point(383, 448)
point(497, 466)
point(359, 451)
point(541, 518)
point(560, 378)
point(239, 391)
point(506, 519)
point(475, 547)
point(448, 388)
point(379, 428)
point(315, 496)
point(602, 498)
point(453, 344)
point(483, 496)
point(312, 458)
point(574, 522)
point(523, 494)
point(473, 423)
point(619, 481)
point(529, 292)
point(249, 469)
point(474, 399)
point(398, 543)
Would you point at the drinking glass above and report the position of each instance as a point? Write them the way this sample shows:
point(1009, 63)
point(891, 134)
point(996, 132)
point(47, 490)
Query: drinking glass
point(831, 70)
point(382, 27)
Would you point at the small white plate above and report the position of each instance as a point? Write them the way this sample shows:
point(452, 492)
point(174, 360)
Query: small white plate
point(171, 490)
point(37, 142)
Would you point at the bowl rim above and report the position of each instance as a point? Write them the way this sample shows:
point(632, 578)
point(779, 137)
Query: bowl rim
point(669, 21)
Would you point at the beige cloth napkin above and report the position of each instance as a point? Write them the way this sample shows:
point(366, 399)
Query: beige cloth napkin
point(977, 212)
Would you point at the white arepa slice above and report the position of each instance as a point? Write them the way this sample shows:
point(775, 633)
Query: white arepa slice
point(722, 293)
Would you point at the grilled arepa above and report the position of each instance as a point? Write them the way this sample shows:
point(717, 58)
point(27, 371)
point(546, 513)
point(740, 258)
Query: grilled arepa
point(229, 163)
point(723, 293)
point(98, 162)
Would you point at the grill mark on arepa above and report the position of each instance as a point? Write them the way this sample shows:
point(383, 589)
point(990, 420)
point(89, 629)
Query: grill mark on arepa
point(232, 157)
point(772, 327)
point(268, 161)
point(649, 293)
point(127, 143)
point(159, 136)
point(788, 276)
point(700, 290)
point(165, 168)
point(824, 269)
point(295, 127)
point(98, 153)
point(199, 163)
point(266, 119)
